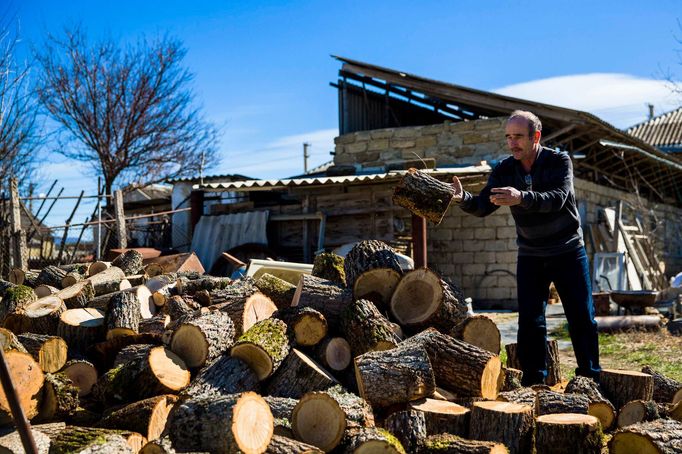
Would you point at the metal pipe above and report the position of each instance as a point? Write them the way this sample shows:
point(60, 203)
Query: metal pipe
point(23, 427)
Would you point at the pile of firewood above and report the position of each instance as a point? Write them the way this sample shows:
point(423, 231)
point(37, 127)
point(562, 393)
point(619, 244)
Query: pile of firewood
point(358, 357)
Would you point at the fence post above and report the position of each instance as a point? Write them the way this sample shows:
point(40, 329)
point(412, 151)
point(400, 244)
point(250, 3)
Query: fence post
point(120, 220)
point(19, 249)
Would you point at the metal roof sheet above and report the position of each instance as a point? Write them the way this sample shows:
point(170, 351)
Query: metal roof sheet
point(661, 131)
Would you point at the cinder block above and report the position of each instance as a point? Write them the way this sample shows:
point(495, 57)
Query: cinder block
point(474, 269)
point(377, 145)
point(356, 147)
point(485, 233)
point(344, 139)
point(402, 143)
point(382, 133)
point(484, 257)
point(496, 246)
point(504, 233)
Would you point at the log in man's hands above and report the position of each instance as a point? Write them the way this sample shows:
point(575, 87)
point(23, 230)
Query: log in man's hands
point(507, 196)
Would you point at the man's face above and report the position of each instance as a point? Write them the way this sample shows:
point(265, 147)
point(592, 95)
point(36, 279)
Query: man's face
point(518, 142)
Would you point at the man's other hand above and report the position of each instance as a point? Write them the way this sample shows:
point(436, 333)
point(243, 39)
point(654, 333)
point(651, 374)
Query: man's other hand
point(506, 196)
point(458, 190)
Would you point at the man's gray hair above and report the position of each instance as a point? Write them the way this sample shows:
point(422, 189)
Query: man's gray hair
point(534, 123)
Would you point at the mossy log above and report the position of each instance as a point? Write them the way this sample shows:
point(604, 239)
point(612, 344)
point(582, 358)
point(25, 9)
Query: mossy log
point(203, 338)
point(49, 351)
point(367, 440)
point(462, 368)
point(622, 386)
point(306, 325)
point(263, 347)
point(443, 417)
point(59, 399)
point(550, 402)
point(84, 440)
point(51, 275)
point(330, 267)
point(297, 375)
point(599, 406)
point(81, 328)
point(28, 379)
point(366, 329)
point(223, 375)
point(422, 299)
point(15, 299)
point(324, 296)
point(148, 416)
point(479, 330)
point(408, 426)
point(662, 436)
point(40, 316)
point(503, 422)
point(189, 285)
point(130, 262)
point(368, 255)
point(394, 376)
point(666, 389)
point(553, 366)
point(568, 433)
point(228, 424)
point(283, 445)
point(452, 444)
point(278, 290)
point(637, 411)
point(83, 375)
point(423, 195)
point(334, 353)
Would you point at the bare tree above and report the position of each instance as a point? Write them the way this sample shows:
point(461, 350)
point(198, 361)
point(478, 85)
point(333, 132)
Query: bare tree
point(128, 111)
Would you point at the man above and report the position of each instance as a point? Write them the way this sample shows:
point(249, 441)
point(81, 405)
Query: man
point(536, 183)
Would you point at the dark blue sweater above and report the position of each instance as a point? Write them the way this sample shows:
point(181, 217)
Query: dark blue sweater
point(547, 220)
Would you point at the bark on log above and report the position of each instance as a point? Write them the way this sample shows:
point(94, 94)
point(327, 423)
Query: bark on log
point(523, 396)
point(123, 316)
point(28, 380)
point(40, 317)
point(324, 296)
point(423, 195)
point(568, 433)
point(89, 440)
point(298, 375)
point(177, 307)
point(637, 411)
point(368, 440)
point(155, 325)
point(107, 281)
point(50, 275)
point(10, 341)
point(278, 290)
point(675, 412)
point(224, 375)
point(553, 366)
point(11, 443)
point(614, 323)
point(368, 255)
point(408, 426)
point(282, 408)
point(460, 367)
point(228, 424)
point(599, 406)
point(201, 339)
point(666, 389)
point(510, 378)
point(394, 376)
point(59, 398)
point(148, 416)
point(443, 417)
point(130, 262)
point(330, 267)
point(246, 312)
point(82, 374)
point(366, 329)
point(188, 285)
point(306, 325)
point(263, 347)
point(550, 402)
point(422, 299)
point(452, 444)
point(503, 422)
point(479, 330)
point(663, 436)
point(49, 351)
point(15, 299)
point(283, 445)
point(81, 328)
point(78, 295)
point(103, 354)
point(622, 386)
point(132, 352)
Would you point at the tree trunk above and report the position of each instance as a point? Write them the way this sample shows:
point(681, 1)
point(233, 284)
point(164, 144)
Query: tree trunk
point(443, 417)
point(330, 267)
point(394, 376)
point(637, 411)
point(81, 328)
point(39, 317)
point(298, 375)
point(553, 366)
point(59, 399)
point(409, 426)
point(228, 424)
point(550, 402)
point(278, 290)
point(148, 416)
point(568, 434)
point(504, 422)
point(423, 195)
point(460, 367)
point(663, 436)
point(224, 375)
point(622, 386)
point(452, 444)
point(366, 329)
point(665, 389)
point(203, 338)
point(599, 406)
point(324, 296)
point(130, 262)
point(422, 299)
point(82, 374)
point(306, 325)
point(479, 330)
point(368, 440)
point(49, 351)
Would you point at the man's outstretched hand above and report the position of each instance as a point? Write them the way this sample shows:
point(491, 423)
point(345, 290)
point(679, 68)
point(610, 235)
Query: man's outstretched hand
point(457, 187)
point(507, 196)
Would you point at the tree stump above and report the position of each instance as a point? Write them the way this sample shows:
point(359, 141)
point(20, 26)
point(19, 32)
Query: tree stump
point(298, 375)
point(503, 422)
point(422, 299)
point(452, 444)
point(306, 325)
point(82, 374)
point(665, 389)
point(59, 398)
point(330, 267)
point(661, 436)
point(622, 386)
point(334, 353)
point(130, 262)
point(324, 296)
point(423, 195)
point(366, 329)
point(148, 416)
point(637, 411)
point(201, 339)
point(278, 290)
point(479, 330)
point(49, 351)
point(408, 426)
point(568, 433)
point(550, 402)
point(553, 366)
point(599, 406)
point(263, 347)
point(443, 417)
point(27, 379)
point(460, 367)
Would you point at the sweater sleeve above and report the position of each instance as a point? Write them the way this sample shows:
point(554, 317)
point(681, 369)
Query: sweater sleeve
point(553, 199)
point(480, 205)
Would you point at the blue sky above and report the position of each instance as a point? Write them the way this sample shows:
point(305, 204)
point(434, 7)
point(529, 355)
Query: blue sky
point(262, 69)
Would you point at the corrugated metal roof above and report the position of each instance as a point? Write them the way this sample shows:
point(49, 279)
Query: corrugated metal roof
point(662, 131)
point(254, 185)
point(226, 177)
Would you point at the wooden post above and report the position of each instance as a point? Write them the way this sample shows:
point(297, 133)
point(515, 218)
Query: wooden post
point(419, 241)
point(120, 220)
point(196, 203)
point(19, 249)
point(305, 207)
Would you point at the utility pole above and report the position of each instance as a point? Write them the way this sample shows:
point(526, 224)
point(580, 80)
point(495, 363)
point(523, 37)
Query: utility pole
point(306, 155)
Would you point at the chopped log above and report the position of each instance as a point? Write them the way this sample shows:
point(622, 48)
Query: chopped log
point(77, 295)
point(510, 378)
point(45, 290)
point(479, 330)
point(550, 402)
point(148, 416)
point(408, 426)
point(177, 307)
point(422, 299)
point(661, 436)
point(553, 366)
point(443, 417)
point(103, 354)
point(176, 263)
point(423, 195)
point(59, 399)
point(599, 406)
point(49, 351)
point(159, 371)
point(107, 281)
point(665, 389)
point(368, 255)
point(452, 444)
point(123, 316)
point(227, 424)
point(81, 328)
point(283, 445)
point(613, 323)
point(282, 409)
point(330, 267)
point(622, 386)
point(444, 394)
point(246, 312)
point(27, 379)
point(568, 433)
point(40, 316)
point(297, 375)
point(97, 267)
point(50, 275)
point(71, 278)
point(368, 440)
point(224, 375)
point(201, 339)
point(306, 325)
point(82, 374)
point(132, 352)
point(324, 296)
point(366, 329)
point(12, 443)
point(130, 262)
point(334, 353)
point(83, 417)
point(17, 276)
point(263, 347)
point(394, 376)
point(187, 286)
point(10, 341)
point(523, 396)
point(319, 420)
point(15, 299)
point(90, 440)
point(377, 285)
point(137, 279)
point(637, 411)
point(155, 325)
point(278, 290)
point(460, 367)
point(503, 422)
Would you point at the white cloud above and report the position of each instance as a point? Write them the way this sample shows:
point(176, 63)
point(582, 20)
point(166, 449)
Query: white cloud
point(619, 99)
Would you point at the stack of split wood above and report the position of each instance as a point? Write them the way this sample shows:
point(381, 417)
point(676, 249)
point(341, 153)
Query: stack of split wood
point(366, 358)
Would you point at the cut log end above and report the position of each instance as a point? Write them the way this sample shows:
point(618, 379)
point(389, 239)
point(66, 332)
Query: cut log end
point(406, 308)
point(256, 357)
point(169, 368)
point(376, 285)
point(252, 425)
point(190, 343)
point(318, 420)
point(336, 354)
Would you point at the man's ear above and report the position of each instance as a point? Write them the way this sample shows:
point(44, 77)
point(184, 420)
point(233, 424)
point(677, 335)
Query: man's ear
point(536, 138)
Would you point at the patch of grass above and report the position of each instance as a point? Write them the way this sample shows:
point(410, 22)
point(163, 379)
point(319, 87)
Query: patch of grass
point(560, 332)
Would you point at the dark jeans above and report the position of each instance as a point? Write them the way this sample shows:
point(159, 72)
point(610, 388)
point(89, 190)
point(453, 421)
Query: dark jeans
point(571, 276)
